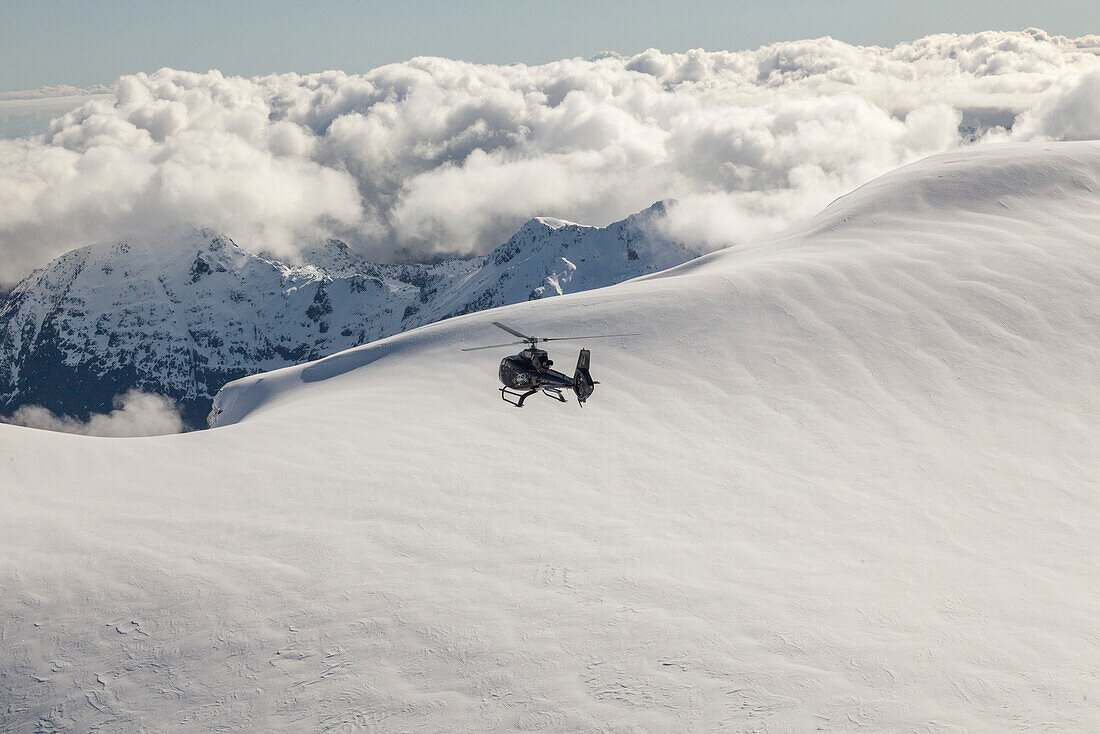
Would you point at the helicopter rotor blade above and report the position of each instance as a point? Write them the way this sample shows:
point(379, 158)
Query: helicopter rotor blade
point(596, 336)
point(492, 346)
point(512, 331)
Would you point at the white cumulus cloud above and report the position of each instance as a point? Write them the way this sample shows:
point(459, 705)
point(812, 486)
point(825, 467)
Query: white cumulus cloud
point(1068, 111)
point(438, 156)
point(136, 413)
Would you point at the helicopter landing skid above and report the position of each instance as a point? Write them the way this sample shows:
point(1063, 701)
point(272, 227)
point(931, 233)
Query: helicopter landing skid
point(505, 393)
point(554, 393)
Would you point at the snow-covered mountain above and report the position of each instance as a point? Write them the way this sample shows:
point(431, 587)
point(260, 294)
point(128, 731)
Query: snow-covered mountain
point(845, 481)
point(182, 316)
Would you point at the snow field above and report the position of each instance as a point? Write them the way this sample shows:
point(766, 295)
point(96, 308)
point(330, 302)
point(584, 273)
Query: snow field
point(845, 481)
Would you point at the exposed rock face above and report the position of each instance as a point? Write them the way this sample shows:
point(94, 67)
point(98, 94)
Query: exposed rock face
point(183, 317)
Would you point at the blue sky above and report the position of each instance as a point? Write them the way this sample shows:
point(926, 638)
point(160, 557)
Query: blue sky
point(83, 43)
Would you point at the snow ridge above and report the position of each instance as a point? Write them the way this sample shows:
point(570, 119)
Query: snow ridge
point(184, 315)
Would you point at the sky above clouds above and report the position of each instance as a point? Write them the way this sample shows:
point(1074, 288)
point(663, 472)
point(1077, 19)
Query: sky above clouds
point(51, 42)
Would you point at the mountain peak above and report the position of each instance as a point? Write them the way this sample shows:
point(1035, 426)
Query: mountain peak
point(554, 222)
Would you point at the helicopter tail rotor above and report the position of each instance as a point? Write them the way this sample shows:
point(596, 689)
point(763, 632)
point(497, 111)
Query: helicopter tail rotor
point(583, 385)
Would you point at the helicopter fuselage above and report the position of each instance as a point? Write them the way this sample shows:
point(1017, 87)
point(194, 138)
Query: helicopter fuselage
point(531, 370)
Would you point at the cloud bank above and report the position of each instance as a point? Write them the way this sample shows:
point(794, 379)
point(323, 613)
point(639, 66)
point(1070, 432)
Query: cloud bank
point(30, 111)
point(136, 413)
point(440, 156)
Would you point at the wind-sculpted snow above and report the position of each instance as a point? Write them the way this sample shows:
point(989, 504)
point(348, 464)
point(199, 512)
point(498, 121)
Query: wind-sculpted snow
point(844, 481)
point(440, 156)
point(181, 316)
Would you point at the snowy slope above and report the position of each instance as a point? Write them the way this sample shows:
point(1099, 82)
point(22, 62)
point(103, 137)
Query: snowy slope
point(182, 315)
point(846, 481)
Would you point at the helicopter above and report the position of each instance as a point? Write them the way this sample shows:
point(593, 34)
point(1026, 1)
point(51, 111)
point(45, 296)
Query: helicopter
point(526, 373)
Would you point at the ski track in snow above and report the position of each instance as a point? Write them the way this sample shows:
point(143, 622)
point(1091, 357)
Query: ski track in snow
point(845, 481)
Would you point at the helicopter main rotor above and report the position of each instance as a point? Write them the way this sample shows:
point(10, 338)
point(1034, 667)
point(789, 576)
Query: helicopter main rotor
point(534, 340)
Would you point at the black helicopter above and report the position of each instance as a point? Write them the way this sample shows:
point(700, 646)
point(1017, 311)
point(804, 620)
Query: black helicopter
point(526, 373)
